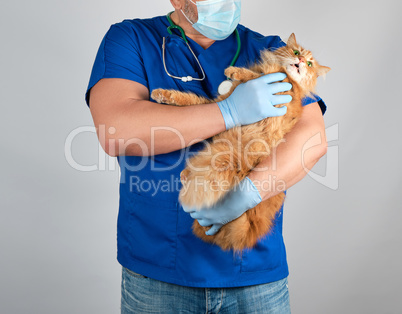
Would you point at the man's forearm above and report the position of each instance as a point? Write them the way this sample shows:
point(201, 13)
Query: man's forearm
point(144, 128)
point(293, 158)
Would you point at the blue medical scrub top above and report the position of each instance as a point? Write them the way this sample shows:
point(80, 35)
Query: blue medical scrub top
point(154, 236)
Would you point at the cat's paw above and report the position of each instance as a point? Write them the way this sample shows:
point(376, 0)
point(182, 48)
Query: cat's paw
point(232, 73)
point(163, 96)
point(241, 74)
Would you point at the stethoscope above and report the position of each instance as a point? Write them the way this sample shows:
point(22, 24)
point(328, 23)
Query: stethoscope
point(226, 85)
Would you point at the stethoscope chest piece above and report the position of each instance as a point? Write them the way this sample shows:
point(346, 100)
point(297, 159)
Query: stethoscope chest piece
point(225, 87)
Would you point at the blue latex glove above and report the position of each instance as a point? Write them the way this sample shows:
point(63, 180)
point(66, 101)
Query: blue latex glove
point(254, 100)
point(243, 197)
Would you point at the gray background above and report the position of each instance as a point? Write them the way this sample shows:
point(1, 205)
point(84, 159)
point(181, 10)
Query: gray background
point(58, 225)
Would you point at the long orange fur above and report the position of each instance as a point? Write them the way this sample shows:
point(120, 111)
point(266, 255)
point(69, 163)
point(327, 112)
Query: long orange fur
point(222, 165)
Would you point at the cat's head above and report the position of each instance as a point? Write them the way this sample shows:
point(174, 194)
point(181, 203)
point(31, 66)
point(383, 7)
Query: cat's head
point(300, 64)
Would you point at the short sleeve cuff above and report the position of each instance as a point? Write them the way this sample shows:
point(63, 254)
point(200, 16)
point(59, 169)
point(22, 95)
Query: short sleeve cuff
point(315, 98)
point(118, 57)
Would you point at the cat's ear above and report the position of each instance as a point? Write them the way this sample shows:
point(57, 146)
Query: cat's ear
point(292, 40)
point(323, 70)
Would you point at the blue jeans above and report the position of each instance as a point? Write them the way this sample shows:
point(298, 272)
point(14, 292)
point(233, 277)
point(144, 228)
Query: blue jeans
point(140, 294)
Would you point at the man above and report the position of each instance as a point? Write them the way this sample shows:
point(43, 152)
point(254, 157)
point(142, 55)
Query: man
point(166, 269)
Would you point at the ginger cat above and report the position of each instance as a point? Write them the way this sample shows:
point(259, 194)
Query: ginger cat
point(221, 166)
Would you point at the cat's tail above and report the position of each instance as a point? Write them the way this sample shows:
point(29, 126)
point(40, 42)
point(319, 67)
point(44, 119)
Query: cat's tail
point(244, 232)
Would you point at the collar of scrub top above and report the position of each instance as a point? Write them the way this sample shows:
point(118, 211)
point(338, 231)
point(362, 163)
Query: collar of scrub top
point(183, 35)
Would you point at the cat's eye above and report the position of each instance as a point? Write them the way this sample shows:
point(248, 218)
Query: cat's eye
point(296, 52)
point(310, 64)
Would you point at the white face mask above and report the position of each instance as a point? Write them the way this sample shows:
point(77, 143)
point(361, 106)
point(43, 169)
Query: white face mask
point(217, 19)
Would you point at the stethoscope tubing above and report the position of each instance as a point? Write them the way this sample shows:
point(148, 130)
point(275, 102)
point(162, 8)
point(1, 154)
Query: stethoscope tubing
point(183, 35)
point(184, 78)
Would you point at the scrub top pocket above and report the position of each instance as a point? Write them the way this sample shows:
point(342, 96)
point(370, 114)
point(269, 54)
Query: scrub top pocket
point(263, 257)
point(152, 231)
point(269, 253)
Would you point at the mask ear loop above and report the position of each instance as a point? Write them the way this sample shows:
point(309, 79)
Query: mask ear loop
point(186, 17)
